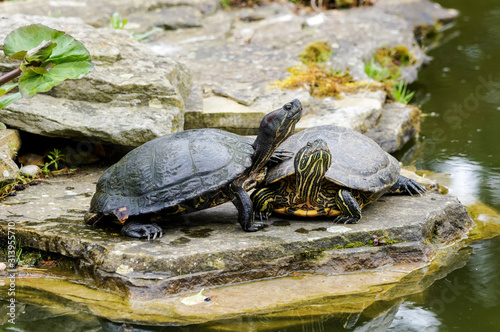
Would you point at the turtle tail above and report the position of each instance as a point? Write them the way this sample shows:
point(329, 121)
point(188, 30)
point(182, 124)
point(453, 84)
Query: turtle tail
point(92, 218)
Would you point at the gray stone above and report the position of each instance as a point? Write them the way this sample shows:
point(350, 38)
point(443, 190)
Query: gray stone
point(237, 63)
point(358, 112)
point(397, 125)
point(10, 142)
point(209, 248)
point(235, 56)
point(98, 13)
point(8, 169)
point(132, 96)
point(418, 12)
point(30, 170)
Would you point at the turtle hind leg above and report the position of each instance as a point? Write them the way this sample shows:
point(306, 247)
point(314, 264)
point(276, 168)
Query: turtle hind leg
point(407, 186)
point(92, 218)
point(262, 200)
point(139, 230)
point(351, 210)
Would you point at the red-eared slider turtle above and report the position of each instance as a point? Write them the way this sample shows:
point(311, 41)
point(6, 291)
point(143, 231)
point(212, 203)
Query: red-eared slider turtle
point(336, 172)
point(189, 171)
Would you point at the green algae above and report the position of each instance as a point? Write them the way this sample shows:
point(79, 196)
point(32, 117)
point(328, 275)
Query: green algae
point(320, 79)
point(315, 52)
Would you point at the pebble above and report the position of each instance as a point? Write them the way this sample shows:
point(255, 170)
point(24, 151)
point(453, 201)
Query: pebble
point(30, 170)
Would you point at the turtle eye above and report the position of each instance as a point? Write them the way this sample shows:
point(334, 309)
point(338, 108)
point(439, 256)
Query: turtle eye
point(288, 107)
point(309, 144)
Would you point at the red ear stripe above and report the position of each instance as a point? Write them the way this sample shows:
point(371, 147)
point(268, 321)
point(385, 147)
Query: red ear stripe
point(270, 117)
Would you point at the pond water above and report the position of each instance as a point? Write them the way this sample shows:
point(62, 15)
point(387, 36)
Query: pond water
point(459, 91)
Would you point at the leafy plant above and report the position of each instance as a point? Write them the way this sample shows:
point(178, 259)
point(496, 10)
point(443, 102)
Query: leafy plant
point(401, 94)
point(55, 156)
point(374, 70)
point(19, 251)
point(225, 3)
point(47, 56)
point(116, 21)
point(58, 14)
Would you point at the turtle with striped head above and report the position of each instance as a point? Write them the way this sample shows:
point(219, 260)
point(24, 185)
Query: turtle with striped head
point(335, 173)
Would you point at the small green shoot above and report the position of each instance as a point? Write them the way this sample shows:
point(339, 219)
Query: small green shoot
point(401, 94)
point(55, 156)
point(13, 149)
point(18, 251)
point(58, 14)
point(116, 21)
point(225, 3)
point(382, 74)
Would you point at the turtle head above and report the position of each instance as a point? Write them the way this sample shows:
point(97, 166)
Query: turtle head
point(274, 129)
point(311, 164)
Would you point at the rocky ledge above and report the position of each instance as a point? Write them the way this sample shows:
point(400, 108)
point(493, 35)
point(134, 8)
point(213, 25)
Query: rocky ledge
point(234, 56)
point(208, 248)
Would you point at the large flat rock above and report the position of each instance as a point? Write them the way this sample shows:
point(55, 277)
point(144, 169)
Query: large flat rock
point(130, 98)
point(277, 304)
point(209, 248)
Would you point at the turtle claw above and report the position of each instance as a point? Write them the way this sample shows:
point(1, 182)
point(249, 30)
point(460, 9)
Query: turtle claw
point(407, 186)
point(414, 188)
point(261, 215)
point(256, 227)
point(346, 220)
point(137, 230)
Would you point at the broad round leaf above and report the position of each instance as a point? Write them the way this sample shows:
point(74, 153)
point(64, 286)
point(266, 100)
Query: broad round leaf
point(68, 59)
point(33, 80)
point(31, 36)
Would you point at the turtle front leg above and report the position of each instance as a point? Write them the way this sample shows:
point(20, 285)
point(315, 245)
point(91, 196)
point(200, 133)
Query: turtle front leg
point(263, 200)
point(407, 186)
point(244, 205)
point(139, 230)
point(279, 156)
point(351, 211)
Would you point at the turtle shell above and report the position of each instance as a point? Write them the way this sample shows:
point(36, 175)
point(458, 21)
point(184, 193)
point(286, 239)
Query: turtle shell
point(358, 162)
point(171, 169)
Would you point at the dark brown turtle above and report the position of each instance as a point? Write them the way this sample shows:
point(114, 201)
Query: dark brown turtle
point(189, 171)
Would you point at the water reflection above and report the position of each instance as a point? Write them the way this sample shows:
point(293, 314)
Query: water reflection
point(465, 178)
point(484, 274)
point(413, 318)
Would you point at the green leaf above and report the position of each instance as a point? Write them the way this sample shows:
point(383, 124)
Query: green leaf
point(6, 88)
point(40, 53)
point(61, 55)
point(19, 55)
point(28, 37)
point(38, 70)
point(31, 82)
point(9, 99)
